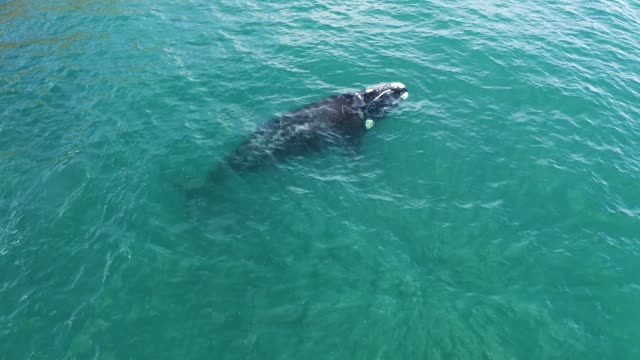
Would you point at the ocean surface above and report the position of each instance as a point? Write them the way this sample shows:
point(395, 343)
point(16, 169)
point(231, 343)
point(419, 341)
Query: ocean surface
point(494, 215)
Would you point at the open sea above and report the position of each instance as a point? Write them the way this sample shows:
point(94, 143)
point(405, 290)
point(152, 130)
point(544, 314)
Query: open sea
point(494, 215)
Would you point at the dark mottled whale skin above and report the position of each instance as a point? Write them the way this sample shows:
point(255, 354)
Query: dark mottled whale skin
point(339, 120)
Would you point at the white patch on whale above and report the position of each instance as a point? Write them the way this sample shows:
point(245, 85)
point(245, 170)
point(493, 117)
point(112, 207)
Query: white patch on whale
point(378, 97)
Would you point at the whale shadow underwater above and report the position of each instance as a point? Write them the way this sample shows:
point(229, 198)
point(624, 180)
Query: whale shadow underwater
point(337, 121)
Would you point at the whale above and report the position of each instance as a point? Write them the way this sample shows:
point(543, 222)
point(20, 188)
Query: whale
point(340, 120)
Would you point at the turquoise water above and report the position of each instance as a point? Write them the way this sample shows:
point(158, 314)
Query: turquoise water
point(495, 214)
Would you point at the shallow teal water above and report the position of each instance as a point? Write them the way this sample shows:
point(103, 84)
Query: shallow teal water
point(495, 215)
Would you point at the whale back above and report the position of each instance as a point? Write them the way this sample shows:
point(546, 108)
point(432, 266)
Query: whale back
point(332, 121)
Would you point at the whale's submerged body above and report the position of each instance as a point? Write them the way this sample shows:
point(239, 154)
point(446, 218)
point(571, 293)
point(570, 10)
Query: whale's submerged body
point(338, 120)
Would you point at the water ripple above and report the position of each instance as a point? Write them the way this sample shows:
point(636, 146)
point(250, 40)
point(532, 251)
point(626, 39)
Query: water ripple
point(496, 206)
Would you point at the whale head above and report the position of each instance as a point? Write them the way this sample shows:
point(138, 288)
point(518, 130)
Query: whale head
point(380, 99)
